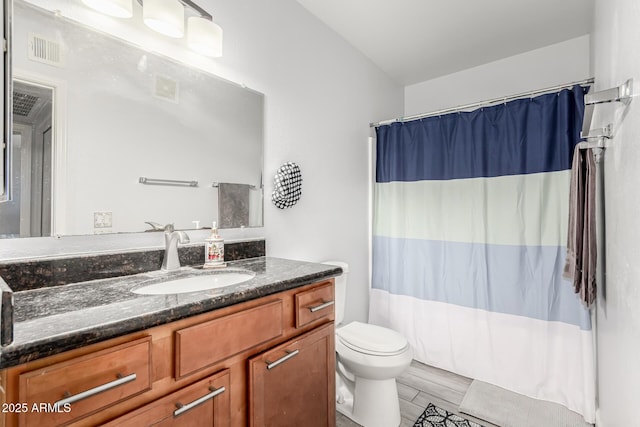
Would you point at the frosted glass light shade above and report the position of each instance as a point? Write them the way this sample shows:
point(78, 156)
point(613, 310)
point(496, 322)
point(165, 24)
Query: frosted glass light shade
point(204, 36)
point(164, 16)
point(117, 8)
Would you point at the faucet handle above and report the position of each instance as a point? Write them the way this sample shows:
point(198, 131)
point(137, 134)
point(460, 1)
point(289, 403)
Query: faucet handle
point(154, 226)
point(183, 237)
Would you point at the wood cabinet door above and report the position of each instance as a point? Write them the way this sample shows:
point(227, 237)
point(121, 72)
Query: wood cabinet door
point(293, 384)
point(205, 403)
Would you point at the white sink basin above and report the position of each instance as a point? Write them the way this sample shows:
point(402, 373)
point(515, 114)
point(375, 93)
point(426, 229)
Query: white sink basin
point(194, 284)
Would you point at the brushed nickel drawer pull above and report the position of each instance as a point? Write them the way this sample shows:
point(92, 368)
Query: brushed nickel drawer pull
point(184, 408)
point(96, 390)
point(324, 304)
point(290, 354)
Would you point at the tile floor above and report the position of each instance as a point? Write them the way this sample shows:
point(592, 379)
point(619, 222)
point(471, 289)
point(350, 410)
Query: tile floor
point(420, 385)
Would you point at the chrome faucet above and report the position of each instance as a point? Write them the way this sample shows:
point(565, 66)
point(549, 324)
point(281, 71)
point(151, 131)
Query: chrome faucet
point(171, 239)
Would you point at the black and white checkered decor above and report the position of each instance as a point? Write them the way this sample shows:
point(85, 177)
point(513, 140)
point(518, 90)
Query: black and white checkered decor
point(287, 186)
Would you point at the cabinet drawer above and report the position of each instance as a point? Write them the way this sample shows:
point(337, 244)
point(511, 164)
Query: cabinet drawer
point(314, 304)
point(208, 343)
point(86, 384)
point(205, 403)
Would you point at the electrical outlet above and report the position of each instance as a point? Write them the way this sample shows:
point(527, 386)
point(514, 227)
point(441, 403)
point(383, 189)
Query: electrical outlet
point(102, 219)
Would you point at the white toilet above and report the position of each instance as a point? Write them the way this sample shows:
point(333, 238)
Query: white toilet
point(368, 360)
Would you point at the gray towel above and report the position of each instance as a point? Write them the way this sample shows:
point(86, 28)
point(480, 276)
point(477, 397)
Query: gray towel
point(233, 205)
point(580, 266)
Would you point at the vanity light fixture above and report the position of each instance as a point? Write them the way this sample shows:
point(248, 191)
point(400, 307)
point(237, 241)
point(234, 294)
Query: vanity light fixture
point(117, 8)
point(167, 17)
point(204, 36)
point(164, 16)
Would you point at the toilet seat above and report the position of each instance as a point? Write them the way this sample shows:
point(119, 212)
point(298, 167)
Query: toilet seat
point(371, 339)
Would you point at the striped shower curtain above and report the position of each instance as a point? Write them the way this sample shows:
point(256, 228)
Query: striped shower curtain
point(469, 243)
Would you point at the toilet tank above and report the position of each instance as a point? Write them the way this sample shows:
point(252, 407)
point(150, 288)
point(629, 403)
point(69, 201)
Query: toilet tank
point(341, 289)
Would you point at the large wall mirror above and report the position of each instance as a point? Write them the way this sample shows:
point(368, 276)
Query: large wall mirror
point(109, 137)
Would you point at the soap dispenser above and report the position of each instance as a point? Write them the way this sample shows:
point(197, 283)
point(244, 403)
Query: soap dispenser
point(214, 249)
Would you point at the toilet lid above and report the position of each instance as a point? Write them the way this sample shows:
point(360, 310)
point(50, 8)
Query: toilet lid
point(372, 339)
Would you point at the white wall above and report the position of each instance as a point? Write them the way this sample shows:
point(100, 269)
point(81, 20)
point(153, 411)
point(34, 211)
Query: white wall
point(320, 95)
point(553, 65)
point(616, 41)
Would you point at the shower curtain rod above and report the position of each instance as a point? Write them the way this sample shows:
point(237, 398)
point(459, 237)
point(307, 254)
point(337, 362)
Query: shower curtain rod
point(483, 103)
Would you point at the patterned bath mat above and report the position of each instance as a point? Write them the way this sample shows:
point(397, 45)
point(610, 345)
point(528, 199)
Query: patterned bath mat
point(438, 417)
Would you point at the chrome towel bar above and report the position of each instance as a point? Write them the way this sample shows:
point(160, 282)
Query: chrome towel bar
point(154, 181)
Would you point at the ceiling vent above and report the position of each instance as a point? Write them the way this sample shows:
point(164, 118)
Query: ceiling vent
point(47, 51)
point(31, 103)
point(23, 103)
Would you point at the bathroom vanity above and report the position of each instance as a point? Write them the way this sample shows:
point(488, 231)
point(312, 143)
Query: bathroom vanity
point(257, 353)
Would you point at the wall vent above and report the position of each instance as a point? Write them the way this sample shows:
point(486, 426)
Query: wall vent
point(47, 51)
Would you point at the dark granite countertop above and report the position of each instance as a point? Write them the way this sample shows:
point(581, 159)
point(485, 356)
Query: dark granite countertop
point(51, 320)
